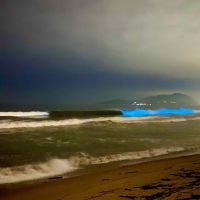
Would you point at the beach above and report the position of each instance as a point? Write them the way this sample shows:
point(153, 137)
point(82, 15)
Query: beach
point(173, 178)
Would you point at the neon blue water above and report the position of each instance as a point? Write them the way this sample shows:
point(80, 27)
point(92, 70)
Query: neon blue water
point(161, 111)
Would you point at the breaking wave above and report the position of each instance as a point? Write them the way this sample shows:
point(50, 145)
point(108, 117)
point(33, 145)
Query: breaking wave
point(24, 114)
point(35, 171)
point(89, 160)
point(62, 166)
point(9, 124)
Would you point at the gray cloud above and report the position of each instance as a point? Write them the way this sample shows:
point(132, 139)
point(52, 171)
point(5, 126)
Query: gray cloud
point(120, 33)
point(151, 37)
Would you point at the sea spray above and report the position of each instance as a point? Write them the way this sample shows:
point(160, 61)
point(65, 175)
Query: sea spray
point(57, 166)
point(35, 171)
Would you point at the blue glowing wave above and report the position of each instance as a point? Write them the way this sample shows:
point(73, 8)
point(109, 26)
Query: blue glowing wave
point(162, 111)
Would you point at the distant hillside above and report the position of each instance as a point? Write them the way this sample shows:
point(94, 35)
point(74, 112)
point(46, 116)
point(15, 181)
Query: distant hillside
point(171, 100)
point(176, 99)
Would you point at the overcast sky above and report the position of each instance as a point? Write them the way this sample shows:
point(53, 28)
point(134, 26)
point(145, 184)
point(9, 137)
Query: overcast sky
point(57, 51)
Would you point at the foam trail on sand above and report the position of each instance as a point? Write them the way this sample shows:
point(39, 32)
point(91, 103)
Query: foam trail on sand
point(55, 167)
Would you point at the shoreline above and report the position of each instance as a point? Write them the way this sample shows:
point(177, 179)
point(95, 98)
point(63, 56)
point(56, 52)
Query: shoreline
point(162, 177)
point(99, 168)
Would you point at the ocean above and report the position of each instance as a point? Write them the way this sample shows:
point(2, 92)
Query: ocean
point(43, 145)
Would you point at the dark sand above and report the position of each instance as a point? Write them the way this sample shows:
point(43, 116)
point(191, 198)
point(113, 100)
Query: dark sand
point(177, 178)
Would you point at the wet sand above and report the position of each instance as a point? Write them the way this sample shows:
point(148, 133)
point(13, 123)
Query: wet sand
point(175, 178)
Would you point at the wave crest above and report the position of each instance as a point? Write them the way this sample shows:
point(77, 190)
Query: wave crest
point(55, 167)
point(90, 160)
point(35, 171)
point(24, 114)
point(9, 124)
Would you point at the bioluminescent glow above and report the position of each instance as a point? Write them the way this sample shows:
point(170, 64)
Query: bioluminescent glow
point(162, 111)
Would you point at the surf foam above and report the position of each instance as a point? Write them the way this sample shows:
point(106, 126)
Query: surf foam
point(24, 114)
point(35, 171)
point(9, 124)
point(90, 160)
point(62, 166)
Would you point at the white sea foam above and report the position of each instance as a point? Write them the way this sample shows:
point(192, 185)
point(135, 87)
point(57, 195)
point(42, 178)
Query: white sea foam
point(62, 166)
point(89, 160)
point(10, 124)
point(67, 122)
point(35, 171)
point(24, 114)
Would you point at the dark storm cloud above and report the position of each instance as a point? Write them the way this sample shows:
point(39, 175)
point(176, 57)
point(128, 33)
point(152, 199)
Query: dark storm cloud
point(70, 85)
point(77, 47)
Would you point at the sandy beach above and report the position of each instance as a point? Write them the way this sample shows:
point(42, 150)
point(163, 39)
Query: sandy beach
point(175, 178)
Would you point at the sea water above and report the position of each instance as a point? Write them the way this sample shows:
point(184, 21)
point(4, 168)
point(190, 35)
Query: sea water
point(35, 145)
